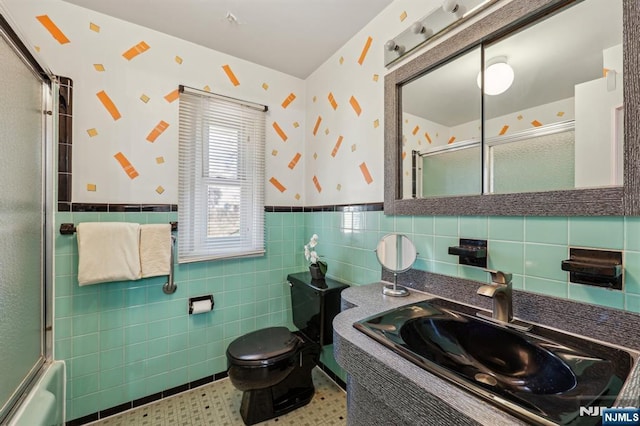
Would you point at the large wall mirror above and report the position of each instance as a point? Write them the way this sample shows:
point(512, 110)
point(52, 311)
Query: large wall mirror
point(532, 110)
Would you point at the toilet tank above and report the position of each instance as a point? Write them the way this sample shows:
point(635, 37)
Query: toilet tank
point(314, 304)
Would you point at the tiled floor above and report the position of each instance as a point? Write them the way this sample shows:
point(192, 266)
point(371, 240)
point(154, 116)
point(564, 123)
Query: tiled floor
point(217, 404)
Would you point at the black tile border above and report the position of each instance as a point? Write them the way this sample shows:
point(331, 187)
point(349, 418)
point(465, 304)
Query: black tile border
point(112, 411)
point(65, 206)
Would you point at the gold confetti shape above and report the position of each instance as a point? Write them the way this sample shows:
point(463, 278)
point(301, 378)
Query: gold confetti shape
point(503, 130)
point(178, 60)
point(332, 101)
point(126, 165)
point(92, 132)
point(376, 77)
point(353, 148)
point(315, 155)
point(159, 160)
point(37, 48)
point(98, 67)
point(172, 96)
point(135, 50)
point(206, 88)
point(93, 27)
point(326, 131)
point(275, 182)
point(315, 98)
point(297, 196)
point(426, 135)
point(316, 183)
point(376, 123)
point(403, 16)
point(108, 104)
point(336, 147)
point(53, 29)
point(355, 105)
point(365, 50)
point(365, 173)
point(157, 131)
point(520, 117)
point(315, 128)
point(415, 130)
point(294, 161)
point(265, 86)
point(288, 100)
point(296, 124)
point(341, 60)
point(560, 113)
point(274, 152)
point(280, 132)
point(159, 189)
point(144, 98)
point(338, 187)
point(91, 187)
point(232, 77)
point(536, 123)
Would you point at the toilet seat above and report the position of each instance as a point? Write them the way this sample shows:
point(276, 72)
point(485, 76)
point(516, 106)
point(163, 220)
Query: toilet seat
point(263, 347)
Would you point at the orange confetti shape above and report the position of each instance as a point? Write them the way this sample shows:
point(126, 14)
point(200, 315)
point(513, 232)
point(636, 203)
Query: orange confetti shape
point(108, 104)
point(415, 130)
point(403, 16)
point(332, 101)
point(294, 160)
point(317, 183)
point(536, 123)
point(503, 130)
point(135, 50)
point(280, 132)
point(355, 105)
point(275, 182)
point(172, 96)
point(289, 99)
point(365, 172)
point(404, 154)
point(451, 139)
point(426, 135)
point(365, 50)
point(53, 29)
point(157, 131)
point(231, 75)
point(126, 165)
point(315, 128)
point(337, 146)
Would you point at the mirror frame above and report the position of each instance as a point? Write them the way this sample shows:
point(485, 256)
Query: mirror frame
point(606, 201)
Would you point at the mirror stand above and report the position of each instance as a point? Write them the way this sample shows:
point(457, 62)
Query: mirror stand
point(394, 290)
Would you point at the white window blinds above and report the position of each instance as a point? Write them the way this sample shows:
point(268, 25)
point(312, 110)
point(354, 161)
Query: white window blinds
point(220, 177)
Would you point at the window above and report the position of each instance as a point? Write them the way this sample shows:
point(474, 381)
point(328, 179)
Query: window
point(221, 177)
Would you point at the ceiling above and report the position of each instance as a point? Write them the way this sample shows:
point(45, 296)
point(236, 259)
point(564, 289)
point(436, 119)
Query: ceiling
point(291, 36)
point(548, 60)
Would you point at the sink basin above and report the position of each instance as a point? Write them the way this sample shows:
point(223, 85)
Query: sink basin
point(541, 375)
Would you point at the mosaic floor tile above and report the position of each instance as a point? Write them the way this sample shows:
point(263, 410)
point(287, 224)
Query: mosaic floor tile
point(218, 403)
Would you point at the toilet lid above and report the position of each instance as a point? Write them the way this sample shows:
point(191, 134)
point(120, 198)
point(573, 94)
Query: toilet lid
point(266, 344)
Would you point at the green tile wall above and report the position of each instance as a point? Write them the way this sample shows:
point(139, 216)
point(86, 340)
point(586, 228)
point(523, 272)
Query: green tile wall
point(123, 341)
point(126, 340)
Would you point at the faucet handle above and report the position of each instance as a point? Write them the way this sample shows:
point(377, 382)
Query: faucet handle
point(500, 277)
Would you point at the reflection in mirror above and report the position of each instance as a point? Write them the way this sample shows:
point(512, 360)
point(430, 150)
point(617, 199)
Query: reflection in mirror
point(396, 253)
point(441, 116)
point(552, 121)
point(555, 126)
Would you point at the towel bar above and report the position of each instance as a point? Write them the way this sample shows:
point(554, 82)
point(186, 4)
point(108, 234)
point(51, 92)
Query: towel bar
point(70, 228)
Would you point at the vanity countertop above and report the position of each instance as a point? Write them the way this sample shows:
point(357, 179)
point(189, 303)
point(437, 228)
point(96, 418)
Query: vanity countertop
point(411, 390)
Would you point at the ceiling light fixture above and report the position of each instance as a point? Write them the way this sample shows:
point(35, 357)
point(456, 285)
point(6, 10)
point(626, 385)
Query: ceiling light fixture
point(498, 77)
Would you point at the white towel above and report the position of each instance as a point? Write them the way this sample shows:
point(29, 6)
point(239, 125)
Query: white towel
point(108, 252)
point(155, 250)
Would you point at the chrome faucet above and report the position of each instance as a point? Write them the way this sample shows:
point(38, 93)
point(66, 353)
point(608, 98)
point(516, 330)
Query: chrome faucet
point(500, 290)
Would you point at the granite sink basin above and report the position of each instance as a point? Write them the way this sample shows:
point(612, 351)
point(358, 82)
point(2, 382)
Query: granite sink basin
point(541, 375)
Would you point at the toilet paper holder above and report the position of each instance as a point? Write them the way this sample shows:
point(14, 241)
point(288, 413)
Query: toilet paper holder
point(192, 300)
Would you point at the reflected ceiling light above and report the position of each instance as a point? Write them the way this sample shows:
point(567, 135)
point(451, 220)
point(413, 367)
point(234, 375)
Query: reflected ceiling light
point(498, 77)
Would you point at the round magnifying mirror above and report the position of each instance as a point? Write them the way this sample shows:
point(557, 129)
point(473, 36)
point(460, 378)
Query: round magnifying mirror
point(396, 253)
